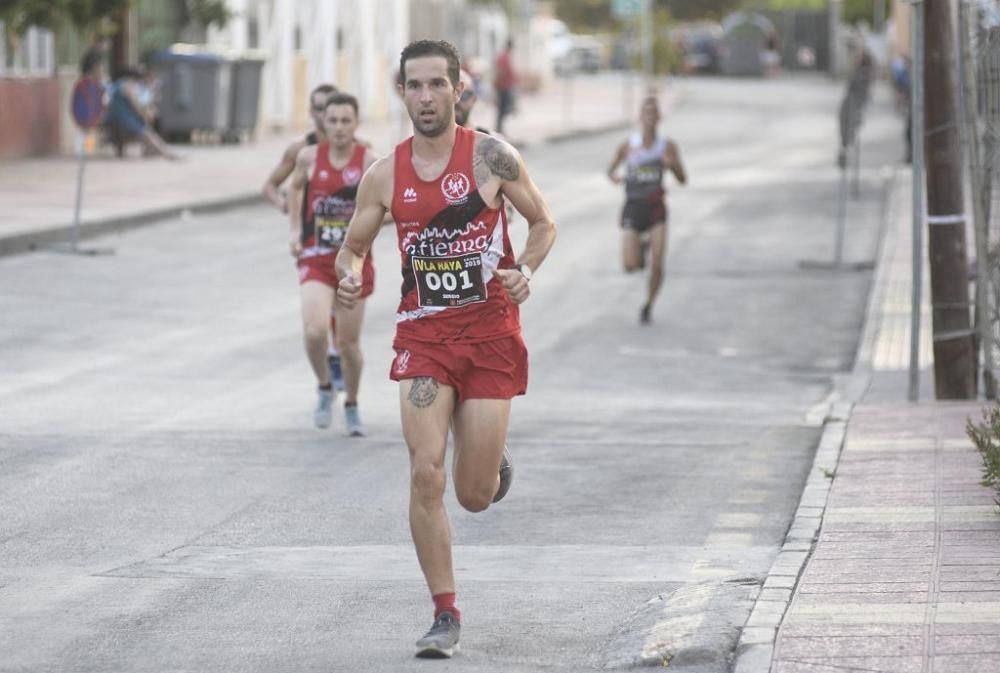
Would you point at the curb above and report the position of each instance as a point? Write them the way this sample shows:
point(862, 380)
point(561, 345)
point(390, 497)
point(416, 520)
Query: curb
point(756, 646)
point(35, 240)
point(31, 241)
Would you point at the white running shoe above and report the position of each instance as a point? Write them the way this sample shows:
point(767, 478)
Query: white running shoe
point(323, 415)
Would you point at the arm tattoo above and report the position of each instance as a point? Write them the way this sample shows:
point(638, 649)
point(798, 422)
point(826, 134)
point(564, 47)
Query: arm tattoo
point(423, 392)
point(495, 158)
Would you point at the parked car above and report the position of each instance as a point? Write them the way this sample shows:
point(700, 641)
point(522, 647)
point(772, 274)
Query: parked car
point(700, 45)
point(573, 53)
point(584, 55)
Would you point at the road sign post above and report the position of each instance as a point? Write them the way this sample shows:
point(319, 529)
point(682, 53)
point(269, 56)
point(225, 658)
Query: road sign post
point(87, 108)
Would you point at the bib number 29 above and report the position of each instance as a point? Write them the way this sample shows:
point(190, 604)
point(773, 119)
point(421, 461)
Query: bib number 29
point(449, 281)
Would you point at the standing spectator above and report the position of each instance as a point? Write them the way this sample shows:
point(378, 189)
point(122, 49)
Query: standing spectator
point(504, 81)
point(901, 85)
point(855, 99)
point(94, 62)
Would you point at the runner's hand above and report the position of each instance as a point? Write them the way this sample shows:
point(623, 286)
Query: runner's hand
point(349, 290)
point(295, 245)
point(515, 284)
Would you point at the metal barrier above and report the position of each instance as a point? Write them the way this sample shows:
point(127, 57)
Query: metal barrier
point(979, 43)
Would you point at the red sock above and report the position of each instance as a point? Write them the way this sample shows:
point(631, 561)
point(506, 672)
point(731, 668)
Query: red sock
point(444, 602)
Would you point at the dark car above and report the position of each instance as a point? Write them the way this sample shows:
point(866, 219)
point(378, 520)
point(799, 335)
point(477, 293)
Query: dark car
point(701, 46)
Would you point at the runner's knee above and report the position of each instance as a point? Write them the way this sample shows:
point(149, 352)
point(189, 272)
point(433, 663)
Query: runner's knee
point(348, 345)
point(475, 498)
point(316, 331)
point(427, 481)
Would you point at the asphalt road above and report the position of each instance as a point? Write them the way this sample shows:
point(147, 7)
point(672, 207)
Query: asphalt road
point(166, 504)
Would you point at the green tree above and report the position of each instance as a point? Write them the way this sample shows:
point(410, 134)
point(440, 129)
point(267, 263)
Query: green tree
point(856, 11)
point(853, 11)
point(586, 16)
point(689, 10)
point(84, 15)
point(87, 16)
point(208, 12)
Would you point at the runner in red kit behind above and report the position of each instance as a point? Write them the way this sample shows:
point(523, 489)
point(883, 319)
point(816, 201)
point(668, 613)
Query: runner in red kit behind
point(324, 188)
point(459, 353)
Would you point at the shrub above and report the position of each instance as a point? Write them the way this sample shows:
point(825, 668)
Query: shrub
point(986, 437)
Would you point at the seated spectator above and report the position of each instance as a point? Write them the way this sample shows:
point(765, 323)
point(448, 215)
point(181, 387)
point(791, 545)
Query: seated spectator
point(129, 112)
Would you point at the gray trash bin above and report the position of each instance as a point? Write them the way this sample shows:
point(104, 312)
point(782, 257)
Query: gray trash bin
point(194, 91)
point(245, 95)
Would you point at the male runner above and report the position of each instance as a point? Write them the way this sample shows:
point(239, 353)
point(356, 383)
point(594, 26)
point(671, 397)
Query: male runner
point(646, 155)
point(466, 101)
point(273, 192)
point(459, 353)
point(329, 174)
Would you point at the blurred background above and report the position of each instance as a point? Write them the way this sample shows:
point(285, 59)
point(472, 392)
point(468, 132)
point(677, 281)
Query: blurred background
point(232, 70)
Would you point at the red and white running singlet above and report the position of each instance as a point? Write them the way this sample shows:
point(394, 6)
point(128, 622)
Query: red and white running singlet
point(329, 200)
point(451, 245)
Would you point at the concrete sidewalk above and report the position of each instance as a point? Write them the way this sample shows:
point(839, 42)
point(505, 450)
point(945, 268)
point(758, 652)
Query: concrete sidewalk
point(894, 566)
point(39, 194)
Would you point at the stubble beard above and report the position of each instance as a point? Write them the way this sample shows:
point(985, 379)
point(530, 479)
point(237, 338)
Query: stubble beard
point(432, 129)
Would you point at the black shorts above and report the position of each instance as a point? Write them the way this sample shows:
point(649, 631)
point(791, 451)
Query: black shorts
point(642, 215)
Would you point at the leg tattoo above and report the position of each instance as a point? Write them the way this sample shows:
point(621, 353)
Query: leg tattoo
point(423, 392)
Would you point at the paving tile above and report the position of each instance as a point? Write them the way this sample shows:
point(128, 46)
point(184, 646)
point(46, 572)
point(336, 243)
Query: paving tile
point(861, 598)
point(793, 629)
point(967, 663)
point(973, 629)
point(990, 573)
point(970, 644)
point(850, 664)
point(812, 647)
point(985, 587)
point(967, 613)
point(834, 576)
point(860, 613)
point(807, 586)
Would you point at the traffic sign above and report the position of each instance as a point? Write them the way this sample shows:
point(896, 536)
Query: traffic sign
point(628, 9)
point(87, 103)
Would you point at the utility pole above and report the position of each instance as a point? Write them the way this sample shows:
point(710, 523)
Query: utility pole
point(954, 352)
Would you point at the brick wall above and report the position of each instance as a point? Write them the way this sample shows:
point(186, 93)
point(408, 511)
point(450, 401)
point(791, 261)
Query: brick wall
point(29, 116)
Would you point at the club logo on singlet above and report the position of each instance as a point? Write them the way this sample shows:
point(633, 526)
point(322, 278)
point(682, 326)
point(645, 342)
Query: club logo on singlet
point(352, 176)
point(323, 175)
point(455, 187)
point(409, 195)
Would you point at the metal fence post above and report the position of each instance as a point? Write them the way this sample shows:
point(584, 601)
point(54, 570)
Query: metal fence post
point(917, 139)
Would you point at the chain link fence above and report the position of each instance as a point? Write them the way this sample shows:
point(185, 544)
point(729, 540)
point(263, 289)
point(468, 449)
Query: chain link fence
point(979, 86)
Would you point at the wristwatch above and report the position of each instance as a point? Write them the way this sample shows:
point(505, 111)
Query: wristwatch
point(525, 271)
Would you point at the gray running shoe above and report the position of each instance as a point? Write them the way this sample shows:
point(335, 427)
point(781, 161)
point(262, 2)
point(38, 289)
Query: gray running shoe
point(442, 640)
point(506, 475)
point(354, 426)
point(323, 416)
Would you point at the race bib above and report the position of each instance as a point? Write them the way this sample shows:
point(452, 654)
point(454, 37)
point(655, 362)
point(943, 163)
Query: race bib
point(449, 281)
point(330, 232)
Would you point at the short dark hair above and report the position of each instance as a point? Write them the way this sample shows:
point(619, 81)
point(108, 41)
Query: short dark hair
point(92, 58)
point(421, 48)
point(325, 89)
point(342, 98)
